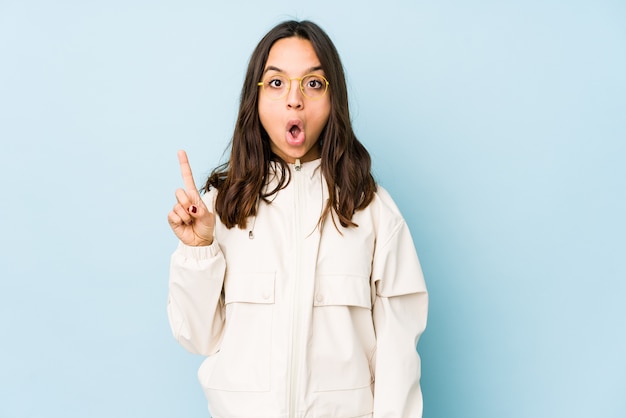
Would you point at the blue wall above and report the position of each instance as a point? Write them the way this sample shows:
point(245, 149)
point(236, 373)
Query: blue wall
point(499, 128)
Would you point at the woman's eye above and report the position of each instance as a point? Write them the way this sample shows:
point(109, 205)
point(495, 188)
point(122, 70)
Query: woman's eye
point(314, 83)
point(275, 83)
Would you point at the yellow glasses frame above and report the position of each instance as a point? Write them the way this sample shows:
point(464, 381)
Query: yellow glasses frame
point(326, 84)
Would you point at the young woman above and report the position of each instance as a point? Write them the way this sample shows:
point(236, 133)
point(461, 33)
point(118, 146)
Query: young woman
point(296, 274)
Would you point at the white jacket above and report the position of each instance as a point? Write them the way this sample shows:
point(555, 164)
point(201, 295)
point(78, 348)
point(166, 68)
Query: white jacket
point(302, 323)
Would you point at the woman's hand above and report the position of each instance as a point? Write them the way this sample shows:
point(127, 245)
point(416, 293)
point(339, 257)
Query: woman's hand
point(190, 219)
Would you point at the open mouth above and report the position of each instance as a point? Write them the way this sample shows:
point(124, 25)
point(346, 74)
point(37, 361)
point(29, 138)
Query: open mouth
point(295, 132)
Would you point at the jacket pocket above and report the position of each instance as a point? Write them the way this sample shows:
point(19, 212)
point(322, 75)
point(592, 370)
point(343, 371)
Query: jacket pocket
point(243, 360)
point(343, 339)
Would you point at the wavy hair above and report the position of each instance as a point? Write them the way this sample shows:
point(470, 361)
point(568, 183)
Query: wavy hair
point(345, 162)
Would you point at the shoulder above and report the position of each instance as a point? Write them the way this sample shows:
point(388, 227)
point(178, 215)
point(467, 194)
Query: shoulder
point(384, 204)
point(209, 199)
point(384, 214)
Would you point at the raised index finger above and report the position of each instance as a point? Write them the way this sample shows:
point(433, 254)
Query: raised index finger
point(185, 169)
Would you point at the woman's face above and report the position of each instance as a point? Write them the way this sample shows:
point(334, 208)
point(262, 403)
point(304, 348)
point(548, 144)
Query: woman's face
point(294, 122)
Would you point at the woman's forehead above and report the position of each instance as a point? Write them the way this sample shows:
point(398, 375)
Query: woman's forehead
point(292, 56)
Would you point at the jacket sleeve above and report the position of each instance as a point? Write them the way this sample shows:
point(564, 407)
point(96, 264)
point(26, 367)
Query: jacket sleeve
point(399, 314)
point(195, 303)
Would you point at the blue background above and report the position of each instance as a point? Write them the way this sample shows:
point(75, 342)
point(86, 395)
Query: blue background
point(498, 127)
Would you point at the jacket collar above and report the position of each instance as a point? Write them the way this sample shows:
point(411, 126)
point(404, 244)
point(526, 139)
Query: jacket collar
point(310, 168)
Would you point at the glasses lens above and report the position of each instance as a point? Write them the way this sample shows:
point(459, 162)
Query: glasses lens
point(314, 86)
point(276, 86)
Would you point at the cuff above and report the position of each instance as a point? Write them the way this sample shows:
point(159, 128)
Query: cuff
point(199, 253)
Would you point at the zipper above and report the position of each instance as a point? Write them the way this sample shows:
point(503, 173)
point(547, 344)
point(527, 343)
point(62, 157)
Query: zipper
point(296, 313)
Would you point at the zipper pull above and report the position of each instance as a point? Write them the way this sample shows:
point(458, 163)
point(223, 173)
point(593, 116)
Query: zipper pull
point(298, 165)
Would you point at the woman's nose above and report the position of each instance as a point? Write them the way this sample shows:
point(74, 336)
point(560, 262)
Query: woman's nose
point(295, 99)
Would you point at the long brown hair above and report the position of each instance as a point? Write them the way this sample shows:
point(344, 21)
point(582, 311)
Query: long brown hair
point(345, 162)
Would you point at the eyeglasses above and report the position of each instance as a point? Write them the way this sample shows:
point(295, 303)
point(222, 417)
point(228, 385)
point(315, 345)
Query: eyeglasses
point(277, 86)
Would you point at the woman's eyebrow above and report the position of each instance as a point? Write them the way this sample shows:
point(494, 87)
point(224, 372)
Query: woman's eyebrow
point(272, 68)
point(317, 68)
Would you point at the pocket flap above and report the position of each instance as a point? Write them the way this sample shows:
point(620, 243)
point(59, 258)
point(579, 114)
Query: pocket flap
point(249, 287)
point(344, 290)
